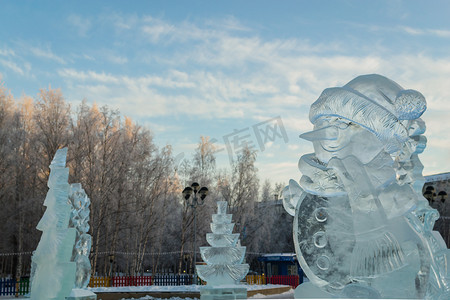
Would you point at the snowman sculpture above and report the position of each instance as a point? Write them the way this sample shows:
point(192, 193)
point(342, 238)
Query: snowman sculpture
point(362, 228)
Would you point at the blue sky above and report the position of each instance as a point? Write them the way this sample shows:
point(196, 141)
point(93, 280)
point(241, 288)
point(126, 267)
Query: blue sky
point(229, 69)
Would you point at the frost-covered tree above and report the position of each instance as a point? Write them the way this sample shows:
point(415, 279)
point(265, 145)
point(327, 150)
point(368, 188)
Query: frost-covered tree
point(240, 189)
point(201, 169)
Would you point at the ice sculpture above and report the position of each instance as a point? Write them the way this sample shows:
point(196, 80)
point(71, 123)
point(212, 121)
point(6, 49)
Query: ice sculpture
point(79, 219)
point(362, 228)
point(53, 272)
point(59, 265)
point(224, 268)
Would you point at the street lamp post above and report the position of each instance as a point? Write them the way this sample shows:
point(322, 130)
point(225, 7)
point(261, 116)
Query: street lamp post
point(111, 261)
point(187, 192)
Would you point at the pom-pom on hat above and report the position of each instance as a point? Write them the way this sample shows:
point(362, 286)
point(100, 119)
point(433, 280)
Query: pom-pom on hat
point(374, 102)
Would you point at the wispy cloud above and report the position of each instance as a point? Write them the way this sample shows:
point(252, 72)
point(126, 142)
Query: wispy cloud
point(228, 23)
point(120, 21)
point(7, 52)
point(231, 72)
point(404, 29)
point(156, 29)
point(116, 59)
point(443, 33)
point(286, 82)
point(82, 25)
point(47, 54)
point(88, 76)
point(440, 33)
point(82, 56)
point(411, 31)
point(12, 66)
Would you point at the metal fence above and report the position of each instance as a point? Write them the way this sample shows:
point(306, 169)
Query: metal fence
point(184, 279)
point(10, 287)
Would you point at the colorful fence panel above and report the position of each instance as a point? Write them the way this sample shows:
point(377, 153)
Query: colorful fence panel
point(99, 282)
point(184, 279)
point(256, 279)
point(292, 280)
point(172, 280)
point(10, 287)
point(7, 287)
point(24, 286)
point(131, 280)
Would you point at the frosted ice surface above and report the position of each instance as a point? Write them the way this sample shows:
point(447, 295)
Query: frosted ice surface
point(362, 227)
point(80, 221)
point(222, 274)
point(59, 161)
point(221, 218)
point(222, 240)
point(222, 228)
point(222, 207)
point(223, 255)
point(83, 271)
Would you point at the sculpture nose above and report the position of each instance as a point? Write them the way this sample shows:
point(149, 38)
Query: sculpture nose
point(325, 133)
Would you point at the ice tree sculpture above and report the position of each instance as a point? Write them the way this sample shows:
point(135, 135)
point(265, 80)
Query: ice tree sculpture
point(224, 268)
point(79, 219)
point(53, 272)
point(362, 228)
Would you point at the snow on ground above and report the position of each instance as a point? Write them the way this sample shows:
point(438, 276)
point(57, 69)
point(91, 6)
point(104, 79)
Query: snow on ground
point(174, 289)
point(151, 298)
point(286, 295)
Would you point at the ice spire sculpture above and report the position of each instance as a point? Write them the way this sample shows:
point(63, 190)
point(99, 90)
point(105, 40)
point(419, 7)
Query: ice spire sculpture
point(53, 272)
point(362, 228)
point(224, 268)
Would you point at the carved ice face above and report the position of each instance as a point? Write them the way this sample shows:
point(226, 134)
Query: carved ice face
point(337, 137)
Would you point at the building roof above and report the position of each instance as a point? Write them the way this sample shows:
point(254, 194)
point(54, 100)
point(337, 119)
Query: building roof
point(278, 257)
point(437, 177)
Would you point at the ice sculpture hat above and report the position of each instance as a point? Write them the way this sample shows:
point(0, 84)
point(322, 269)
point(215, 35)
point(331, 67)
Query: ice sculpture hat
point(404, 104)
point(374, 102)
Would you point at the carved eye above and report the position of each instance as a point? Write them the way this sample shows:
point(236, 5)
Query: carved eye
point(342, 125)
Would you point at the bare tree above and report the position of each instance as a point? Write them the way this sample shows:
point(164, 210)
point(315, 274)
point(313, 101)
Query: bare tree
point(200, 169)
point(134, 186)
point(240, 190)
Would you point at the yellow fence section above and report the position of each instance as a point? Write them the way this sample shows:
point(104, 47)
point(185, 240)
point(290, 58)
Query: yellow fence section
point(256, 279)
point(99, 282)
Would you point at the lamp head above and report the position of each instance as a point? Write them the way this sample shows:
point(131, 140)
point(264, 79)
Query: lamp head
point(203, 192)
point(430, 188)
point(428, 194)
point(195, 186)
point(187, 192)
point(443, 195)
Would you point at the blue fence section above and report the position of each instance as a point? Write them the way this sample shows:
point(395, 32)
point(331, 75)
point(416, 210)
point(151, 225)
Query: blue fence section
point(10, 287)
point(172, 279)
point(7, 287)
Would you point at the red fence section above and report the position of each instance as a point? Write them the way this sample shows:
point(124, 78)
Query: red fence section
point(292, 280)
point(131, 281)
